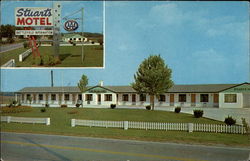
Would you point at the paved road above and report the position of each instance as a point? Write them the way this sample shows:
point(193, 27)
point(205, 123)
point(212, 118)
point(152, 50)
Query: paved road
point(17, 146)
point(10, 47)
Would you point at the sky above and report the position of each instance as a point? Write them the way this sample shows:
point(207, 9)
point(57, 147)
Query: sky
point(202, 42)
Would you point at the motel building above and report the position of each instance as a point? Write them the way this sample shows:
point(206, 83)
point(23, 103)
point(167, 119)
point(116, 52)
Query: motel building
point(74, 38)
point(209, 95)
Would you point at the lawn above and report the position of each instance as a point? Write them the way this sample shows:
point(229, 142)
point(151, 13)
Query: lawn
point(70, 56)
point(60, 124)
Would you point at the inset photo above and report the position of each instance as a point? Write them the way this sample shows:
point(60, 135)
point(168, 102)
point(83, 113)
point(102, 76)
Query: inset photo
point(52, 34)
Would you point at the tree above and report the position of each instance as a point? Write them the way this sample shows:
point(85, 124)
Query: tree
point(153, 77)
point(82, 85)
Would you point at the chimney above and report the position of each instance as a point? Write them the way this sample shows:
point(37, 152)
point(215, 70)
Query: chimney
point(52, 81)
point(101, 83)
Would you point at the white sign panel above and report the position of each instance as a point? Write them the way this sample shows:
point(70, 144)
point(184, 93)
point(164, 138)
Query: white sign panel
point(33, 16)
point(34, 32)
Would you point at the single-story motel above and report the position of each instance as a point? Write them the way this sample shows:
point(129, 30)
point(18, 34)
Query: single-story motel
point(207, 95)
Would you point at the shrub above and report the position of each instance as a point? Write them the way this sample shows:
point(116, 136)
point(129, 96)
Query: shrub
point(177, 110)
point(73, 112)
point(43, 110)
point(10, 40)
point(37, 61)
point(46, 105)
point(148, 107)
point(19, 104)
point(64, 105)
point(25, 44)
point(198, 113)
point(78, 105)
point(74, 44)
point(52, 60)
point(113, 106)
point(45, 59)
point(229, 120)
point(14, 102)
point(10, 105)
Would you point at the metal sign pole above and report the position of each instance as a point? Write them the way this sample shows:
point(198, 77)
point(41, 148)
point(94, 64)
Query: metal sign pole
point(82, 37)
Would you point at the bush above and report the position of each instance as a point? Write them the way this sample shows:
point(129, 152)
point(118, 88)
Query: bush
point(43, 110)
point(25, 45)
point(46, 105)
point(74, 44)
point(78, 105)
point(10, 40)
point(148, 107)
point(52, 60)
point(73, 112)
point(113, 106)
point(198, 113)
point(229, 120)
point(14, 102)
point(64, 105)
point(177, 110)
point(19, 104)
point(37, 61)
point(45, 59)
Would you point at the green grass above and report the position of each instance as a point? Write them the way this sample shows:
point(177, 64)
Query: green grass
point(70, 56)
point(13, 54)
point(60, 124)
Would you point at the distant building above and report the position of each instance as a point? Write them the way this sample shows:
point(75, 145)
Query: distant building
point(74, 38)
point(207, 95)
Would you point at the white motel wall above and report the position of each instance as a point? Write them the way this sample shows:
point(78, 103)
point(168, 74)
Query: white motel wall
point(222, 96)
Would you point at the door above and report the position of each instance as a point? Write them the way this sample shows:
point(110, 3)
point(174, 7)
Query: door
point(193, 100)
point(133, 99)
point(216, 100)
point(99, 99)
point(171, 99)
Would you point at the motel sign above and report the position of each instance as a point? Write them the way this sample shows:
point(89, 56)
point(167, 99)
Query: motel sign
point(33, 16)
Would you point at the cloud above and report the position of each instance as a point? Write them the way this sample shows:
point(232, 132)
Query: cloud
point(117, 3)
point(168, 14)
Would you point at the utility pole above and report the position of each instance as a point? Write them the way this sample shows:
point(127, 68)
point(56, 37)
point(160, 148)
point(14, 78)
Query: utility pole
point(82, 35)
point(56, 29)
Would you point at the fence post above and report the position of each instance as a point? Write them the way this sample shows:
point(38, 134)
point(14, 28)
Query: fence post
point(47, 121)
point(8, 119)
point(125, 125)
point(190, 127)
point(73, 122)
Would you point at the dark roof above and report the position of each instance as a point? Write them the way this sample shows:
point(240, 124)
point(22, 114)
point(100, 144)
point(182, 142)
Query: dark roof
point(206, 88)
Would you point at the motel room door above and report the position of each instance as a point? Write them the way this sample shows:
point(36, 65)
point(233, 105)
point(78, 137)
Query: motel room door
point(193, 99)
point(216, 100)
point(99, 99)
point(171, 99)
point(133, 99)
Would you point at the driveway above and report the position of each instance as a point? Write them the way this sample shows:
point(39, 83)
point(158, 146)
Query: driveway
point(10, 47)
point(212, 113)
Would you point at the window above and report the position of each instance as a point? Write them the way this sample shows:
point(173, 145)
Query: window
point(74, 38)
point(142, 97)
point(53, 97)
point(162, 98)
point(88, 97)
point(108, 97)
point(79, 39)
point(182, 97)
point(230, 98)
point(204, 98)
point(79, 96)
point(70, 38)
point(40, 97)
point(66, 97)
point(125, 97)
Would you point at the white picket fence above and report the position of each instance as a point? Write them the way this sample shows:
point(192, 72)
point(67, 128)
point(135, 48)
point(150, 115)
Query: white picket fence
point(24, 55)
point(9, 119)
point(10, 63)
point(190, 127)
